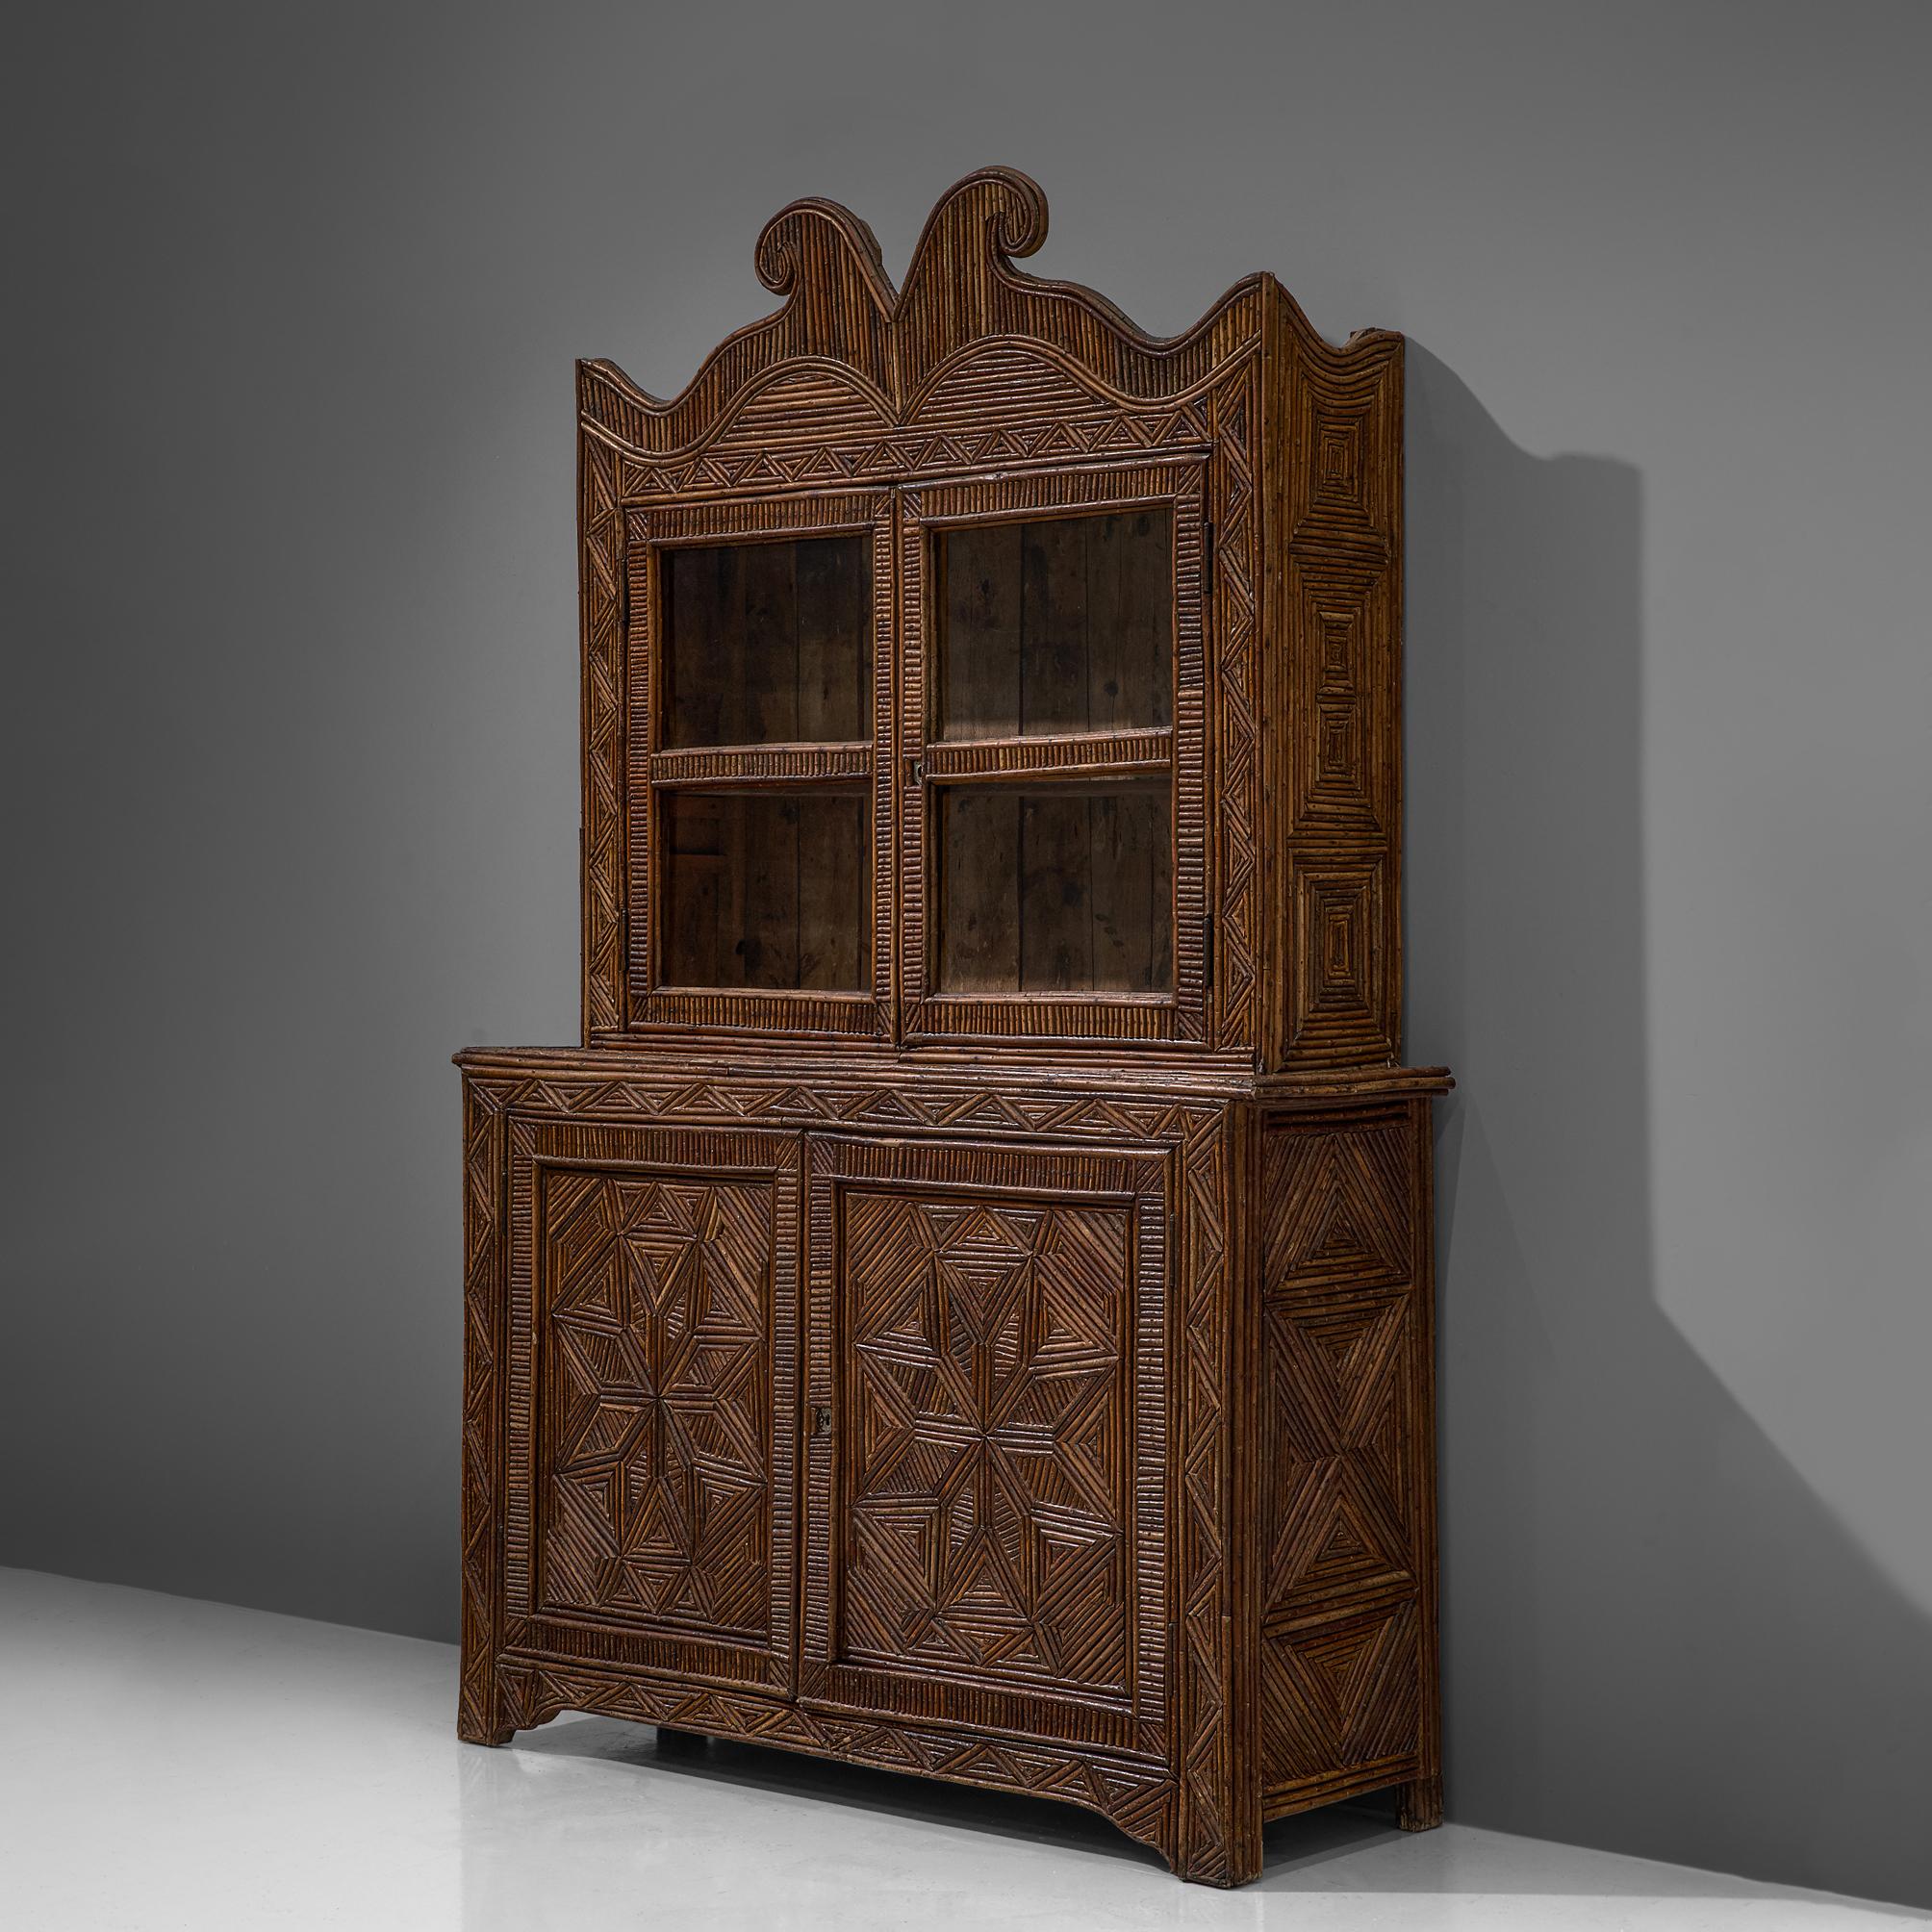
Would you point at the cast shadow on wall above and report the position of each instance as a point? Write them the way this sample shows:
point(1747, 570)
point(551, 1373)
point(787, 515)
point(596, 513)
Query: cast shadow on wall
point(1658, 1638)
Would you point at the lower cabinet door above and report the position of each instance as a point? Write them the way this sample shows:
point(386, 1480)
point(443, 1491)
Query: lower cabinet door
point(986, 1457)
point(652, 1399)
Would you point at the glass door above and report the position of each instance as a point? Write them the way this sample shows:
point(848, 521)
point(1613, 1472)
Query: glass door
point(1051, 730)
point(760, 686)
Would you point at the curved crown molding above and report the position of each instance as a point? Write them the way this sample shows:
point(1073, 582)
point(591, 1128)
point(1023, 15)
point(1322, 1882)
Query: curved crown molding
point(842, 313)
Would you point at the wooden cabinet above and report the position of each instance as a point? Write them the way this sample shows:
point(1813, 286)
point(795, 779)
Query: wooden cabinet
point(966, 1304)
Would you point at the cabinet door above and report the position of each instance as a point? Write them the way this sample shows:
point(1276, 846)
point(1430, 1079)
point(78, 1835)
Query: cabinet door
point(759, 685)
point(1051, 726)
point(986, 1513)
point(652, 1397)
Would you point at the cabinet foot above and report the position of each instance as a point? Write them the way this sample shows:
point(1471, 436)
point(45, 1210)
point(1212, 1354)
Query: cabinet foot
point(485, 1734)
point(480, 1708)
point(1418, 1805)
point(1224, 1848)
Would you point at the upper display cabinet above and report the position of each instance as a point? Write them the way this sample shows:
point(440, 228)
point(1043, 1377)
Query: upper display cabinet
point(963, 666)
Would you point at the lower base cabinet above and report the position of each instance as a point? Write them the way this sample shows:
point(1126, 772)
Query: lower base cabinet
point(1071, 1438)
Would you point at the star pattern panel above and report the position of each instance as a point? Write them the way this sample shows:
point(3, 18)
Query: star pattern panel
point(987, 1468)
point(657, 1321)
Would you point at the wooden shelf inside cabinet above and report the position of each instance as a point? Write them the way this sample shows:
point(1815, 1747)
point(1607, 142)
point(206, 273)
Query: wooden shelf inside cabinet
point(967, 1306)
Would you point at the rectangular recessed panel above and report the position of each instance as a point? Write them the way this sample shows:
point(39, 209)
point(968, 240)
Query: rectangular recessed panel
point(986, 1500)
point(1056, 624)
point(768, 643)
point(1065, 887)
point(654, 1441)
point(987, 1464)
point(1343, 1692)
point(767, 888)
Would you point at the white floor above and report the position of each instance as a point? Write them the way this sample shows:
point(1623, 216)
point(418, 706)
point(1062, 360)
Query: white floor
point(167, 1763)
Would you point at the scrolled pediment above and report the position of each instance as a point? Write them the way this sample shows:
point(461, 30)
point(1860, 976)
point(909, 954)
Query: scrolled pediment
point(846, 326)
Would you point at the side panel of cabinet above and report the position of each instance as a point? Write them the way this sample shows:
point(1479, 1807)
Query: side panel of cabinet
point(651, 1398)
point(1336, 696)
point(1347, 1516)
point(986, 1514)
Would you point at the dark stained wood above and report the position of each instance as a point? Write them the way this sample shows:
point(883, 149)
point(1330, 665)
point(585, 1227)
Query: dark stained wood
point(765, 849)
point(979, 898)
point(1066, 889)
point(763, 701)
point(834, 894)
point(766, 889)
point(979, 579)
point(1130, 620)
point(833, 658)
point(695, 945)
point(1055, 892)
point(766, 644)
point(1131, 874)
point(968, 1305)
point(703, 658)
point(1054, 626)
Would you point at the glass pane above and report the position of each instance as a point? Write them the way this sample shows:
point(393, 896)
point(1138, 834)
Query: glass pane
point(1064, 623)
point(1064, 888)
point(766, 888)
point(768, 644)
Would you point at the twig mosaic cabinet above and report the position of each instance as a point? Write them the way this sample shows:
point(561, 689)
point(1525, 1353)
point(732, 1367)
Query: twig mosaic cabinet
point(966, 1305)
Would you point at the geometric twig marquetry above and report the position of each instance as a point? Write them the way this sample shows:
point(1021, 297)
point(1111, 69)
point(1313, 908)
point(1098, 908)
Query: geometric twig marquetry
point(976, 390)
point(1023, 1530)
point(1338, 1207)
point(652, 1345)
point(1347, 1508)
point(1343, 1692)
point(656, 1296)
point(1338, 820)
point(985, 1331)
point(967, 1306)
point(1337, 1520)
point(984, 1490)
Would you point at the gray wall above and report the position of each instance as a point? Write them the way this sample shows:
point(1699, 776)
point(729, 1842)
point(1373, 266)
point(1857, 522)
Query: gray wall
point(290, 714)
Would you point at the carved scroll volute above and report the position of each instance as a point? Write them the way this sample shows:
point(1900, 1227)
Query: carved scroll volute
point(838, 307)
point(839, 304)
point(961, 285)
point(841, 312)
